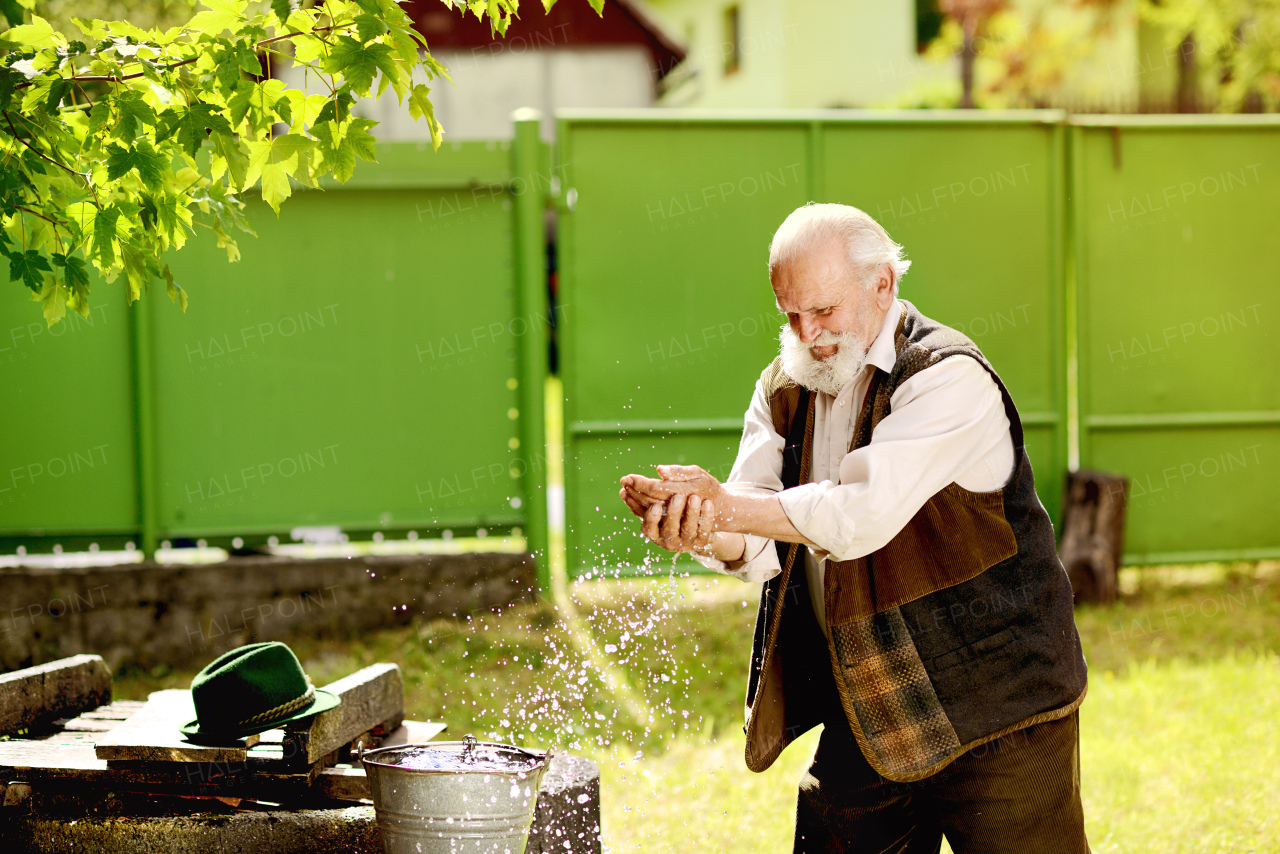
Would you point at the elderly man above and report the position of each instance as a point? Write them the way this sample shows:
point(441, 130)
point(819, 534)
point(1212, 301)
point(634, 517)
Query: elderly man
point(913, 602)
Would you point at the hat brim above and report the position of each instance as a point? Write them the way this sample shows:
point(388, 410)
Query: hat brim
point(322, 703)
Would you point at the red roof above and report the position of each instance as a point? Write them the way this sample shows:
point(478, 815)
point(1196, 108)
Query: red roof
point(570, 23)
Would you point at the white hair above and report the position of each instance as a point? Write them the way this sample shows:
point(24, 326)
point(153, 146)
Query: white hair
point(869, 245)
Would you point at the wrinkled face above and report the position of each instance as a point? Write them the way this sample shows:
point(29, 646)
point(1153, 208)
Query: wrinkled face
point(819, 293)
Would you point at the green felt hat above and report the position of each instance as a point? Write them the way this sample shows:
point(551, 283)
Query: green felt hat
point(249, 690)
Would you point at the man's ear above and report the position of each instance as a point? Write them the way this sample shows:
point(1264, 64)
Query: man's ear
point(884, 286)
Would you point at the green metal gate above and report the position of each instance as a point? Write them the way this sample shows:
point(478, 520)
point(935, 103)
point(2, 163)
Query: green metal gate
point(1174, 227)
point(669, 318)
point(375, 361)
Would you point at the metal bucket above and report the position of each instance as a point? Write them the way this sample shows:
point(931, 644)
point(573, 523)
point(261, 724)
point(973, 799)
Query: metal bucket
point(455, 810)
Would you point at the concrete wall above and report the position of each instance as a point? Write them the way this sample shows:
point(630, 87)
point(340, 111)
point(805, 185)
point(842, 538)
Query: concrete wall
point(148, 614)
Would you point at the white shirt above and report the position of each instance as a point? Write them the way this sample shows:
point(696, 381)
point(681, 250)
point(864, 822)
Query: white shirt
point(947, 424)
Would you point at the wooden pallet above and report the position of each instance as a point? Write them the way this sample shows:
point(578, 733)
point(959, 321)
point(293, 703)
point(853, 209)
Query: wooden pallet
point(67, 738)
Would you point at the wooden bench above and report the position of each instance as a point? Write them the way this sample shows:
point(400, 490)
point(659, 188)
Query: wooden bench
point(68, 742)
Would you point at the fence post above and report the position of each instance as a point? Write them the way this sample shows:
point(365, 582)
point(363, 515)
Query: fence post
point(531, 297)
point(144, 422)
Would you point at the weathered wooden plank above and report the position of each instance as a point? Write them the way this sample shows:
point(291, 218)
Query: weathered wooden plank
point(348, 782)
point(68, 737)
point(370, 697)
point(83, 724)
point(152, 735)
point(115, 711)
point(17, 794)
point(53, 764)
point(23, 755)
point(344, 783)
point(266, 785)
point(63, 688)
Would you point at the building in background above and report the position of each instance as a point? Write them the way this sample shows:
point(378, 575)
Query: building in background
point(792, 53)
point(1083, 56)
point(569, 57)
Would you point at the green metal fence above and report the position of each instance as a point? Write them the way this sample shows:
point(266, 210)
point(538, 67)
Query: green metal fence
point(376, 359)
point(324, 379)
point(1174, 222)
point(669, 318)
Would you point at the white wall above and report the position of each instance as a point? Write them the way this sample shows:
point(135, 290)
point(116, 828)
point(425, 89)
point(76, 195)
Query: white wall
point(491, 84)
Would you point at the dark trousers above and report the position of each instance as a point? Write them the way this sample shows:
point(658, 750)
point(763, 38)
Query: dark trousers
point(1018, 794)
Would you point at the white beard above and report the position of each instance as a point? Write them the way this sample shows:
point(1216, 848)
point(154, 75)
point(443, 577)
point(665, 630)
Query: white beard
point(829, 375)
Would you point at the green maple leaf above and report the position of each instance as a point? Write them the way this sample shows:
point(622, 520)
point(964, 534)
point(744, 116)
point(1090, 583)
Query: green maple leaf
point(104, 235)
point(265, 99)
point(175, 291)
point(369, 26)
point(230, 156)
point(407, 43)
point(29, 266)
point(338, 155)
point(12, 12)
point(57, 91)
point(8, 79)
point(283, 9)
point(74, 268)
point(358, 62)
point(223, 15)
point(238, 104)
point(13, 186)
point(55, 301)
point(174, 218)
point(275, 160)
point(134, 113)
point(420, 108)
point(193, 124)
point(360, 140)
point(149, 163)
point(137, 269)
point(76, 276)
point(337, 109)
point(305, 108)
point(248, 59)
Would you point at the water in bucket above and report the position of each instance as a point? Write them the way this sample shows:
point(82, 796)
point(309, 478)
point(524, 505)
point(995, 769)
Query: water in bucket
point(459, 797)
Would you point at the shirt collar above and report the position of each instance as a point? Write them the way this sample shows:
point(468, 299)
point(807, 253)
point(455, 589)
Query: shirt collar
point(883, 352)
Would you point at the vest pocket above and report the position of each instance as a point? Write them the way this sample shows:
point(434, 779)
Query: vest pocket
point(977, 649)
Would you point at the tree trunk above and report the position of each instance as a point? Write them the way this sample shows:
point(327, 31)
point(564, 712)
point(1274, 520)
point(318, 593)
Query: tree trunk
point(967, 55)
point(1093, 534)
point(1187, 97)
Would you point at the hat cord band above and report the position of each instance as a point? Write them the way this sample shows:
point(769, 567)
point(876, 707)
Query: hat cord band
point(282, 709)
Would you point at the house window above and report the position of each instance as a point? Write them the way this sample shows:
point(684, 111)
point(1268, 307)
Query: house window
point(732, 39)
point(928, 23)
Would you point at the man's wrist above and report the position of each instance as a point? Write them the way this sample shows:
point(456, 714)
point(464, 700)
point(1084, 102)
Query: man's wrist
point(727, 546)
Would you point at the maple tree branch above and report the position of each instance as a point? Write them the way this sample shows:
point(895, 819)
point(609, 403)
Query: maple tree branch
point(42, 216)
point(37, 151)
point(111, 78)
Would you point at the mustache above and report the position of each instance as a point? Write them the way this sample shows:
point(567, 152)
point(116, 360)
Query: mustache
point(826, 338)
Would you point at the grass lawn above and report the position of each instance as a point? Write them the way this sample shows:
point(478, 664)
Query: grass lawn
point(1179, 731)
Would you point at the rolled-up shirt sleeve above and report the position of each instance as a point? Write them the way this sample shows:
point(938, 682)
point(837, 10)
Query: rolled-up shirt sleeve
point(945, 422)
point(757, 470)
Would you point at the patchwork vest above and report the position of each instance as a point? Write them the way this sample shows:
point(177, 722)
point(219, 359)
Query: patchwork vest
point(960, 630)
